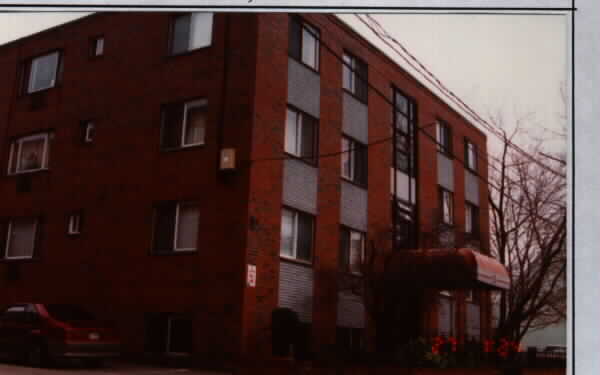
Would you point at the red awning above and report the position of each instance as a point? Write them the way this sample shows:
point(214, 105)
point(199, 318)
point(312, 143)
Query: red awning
point(447, 269)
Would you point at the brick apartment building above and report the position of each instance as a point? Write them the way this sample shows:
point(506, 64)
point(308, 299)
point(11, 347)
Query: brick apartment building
point(186, 174)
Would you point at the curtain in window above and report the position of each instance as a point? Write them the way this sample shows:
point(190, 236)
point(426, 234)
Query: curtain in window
point(347, 170)
point(22, 238)
point(201, 30)
point(291, 132)
point(310, 46)
point(195, 125)
point(32, 154)
point(287, 233)
point(187, 231)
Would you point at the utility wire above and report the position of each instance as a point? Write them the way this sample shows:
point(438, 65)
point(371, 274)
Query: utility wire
point(382, 34)
point(418, 128)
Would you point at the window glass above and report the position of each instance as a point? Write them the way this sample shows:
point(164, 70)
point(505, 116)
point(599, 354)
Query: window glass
point(469, 219)
point(195, 123)
point(21, 238)
point(356, 251)
point(42, 74)
point(300, 135)
point(187, 227)
point(164, 227)
point(31, 154)
point(296, 235)
point(444, 138)
point(348, 77)
point(184, 124)
point(191, 31)
point(354, 161)
point(471, 156)
point(181, 32)
point(310, 46)
point(347, 160)
point(201, 30)
point(90, 129)
point(74, 224)
point(287, 233)
point(447, 214)
point(291, 132)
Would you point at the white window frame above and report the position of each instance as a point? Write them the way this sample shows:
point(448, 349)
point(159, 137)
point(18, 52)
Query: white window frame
point(74, 226)
point(18, 143)
point(198, 103)
point(294, 256)
point(176, 231)
point(8, 238)
point(298, 136)
point(32, 72)
point(90, 126)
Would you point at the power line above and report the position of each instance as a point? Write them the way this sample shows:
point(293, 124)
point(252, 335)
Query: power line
point(448, 93)
point(417, 128)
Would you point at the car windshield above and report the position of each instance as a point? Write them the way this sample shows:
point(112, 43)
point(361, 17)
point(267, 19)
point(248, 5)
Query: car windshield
point(68, 313)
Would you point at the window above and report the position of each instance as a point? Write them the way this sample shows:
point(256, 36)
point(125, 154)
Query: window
point(301, 135)
point(404, 121)
point(355, 77)
point(89, 130)
point(297, 230)
point(21, 238)
point(472, 220)
point(354, 161)
point(352, 250)
point(97, 47)
point(405, 230)
point(446, 314)
point(29, 154)
point(471, 156)
point(41, 72)
point(176, 227)
point(447, 207)
point(304, 42)
point(184, 124)
point(444, 138)
point(191, 31)
point(74, 226)
point(168, 333)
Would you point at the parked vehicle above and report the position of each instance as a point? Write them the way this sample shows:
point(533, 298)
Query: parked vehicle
point(37, 333)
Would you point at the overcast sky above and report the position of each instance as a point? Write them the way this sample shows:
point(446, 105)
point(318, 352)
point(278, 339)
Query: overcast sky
point(513, 64)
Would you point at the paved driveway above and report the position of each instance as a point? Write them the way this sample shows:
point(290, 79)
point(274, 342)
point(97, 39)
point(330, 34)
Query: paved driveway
point(109, 369)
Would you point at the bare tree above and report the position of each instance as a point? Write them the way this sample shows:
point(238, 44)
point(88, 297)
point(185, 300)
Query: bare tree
point(528, 225)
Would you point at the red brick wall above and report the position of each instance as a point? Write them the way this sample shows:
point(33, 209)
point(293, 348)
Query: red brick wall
point(117, 179)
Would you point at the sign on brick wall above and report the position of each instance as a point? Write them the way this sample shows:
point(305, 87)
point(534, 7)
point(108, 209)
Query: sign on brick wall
point(251, 276)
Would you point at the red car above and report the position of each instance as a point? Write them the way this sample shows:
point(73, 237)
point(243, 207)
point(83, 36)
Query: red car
point(40, 332)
